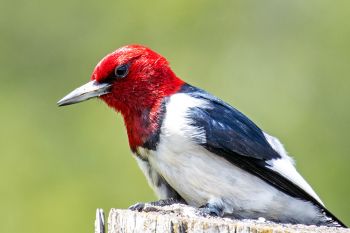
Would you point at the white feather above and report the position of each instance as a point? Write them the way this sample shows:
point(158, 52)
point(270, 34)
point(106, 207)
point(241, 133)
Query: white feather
point(177, 124)
point(152, 177)
point(285, 166)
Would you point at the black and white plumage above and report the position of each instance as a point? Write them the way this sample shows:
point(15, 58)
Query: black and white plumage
point(209, 154)
point(197, 149)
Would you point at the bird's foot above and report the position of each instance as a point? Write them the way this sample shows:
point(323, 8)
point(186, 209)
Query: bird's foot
point(211, 210)
point(140, 206)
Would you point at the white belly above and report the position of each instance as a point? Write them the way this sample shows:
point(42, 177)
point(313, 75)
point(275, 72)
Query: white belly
point(201, 177)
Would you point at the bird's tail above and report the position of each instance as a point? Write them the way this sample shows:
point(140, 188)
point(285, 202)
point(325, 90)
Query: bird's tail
point(331, 220)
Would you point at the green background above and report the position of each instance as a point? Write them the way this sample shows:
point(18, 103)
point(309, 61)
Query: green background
point(283, 63)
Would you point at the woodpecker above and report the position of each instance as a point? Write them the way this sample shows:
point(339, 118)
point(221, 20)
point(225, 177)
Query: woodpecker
point(196, 149)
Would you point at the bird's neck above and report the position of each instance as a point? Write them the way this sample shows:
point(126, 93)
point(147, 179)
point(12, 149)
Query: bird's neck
point(143, 120)
point(143, 107)
point(143, 125)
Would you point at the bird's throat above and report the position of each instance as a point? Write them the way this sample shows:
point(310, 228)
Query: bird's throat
point(143, 126)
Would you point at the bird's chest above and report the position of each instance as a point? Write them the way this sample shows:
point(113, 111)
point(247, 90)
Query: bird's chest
point(200, 176)
point(187, 168)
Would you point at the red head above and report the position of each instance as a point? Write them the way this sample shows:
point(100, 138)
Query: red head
point(145, 78)
point(133, 80)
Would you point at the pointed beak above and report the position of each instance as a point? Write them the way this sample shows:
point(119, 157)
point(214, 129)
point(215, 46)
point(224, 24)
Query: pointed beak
point(87, 91)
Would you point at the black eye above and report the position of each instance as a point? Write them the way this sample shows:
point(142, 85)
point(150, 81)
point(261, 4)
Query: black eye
point(121, 71)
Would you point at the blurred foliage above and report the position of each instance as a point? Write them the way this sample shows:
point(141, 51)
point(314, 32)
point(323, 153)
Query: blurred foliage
point(283, 63)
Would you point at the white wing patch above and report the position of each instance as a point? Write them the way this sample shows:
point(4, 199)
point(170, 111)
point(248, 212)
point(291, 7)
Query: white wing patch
point(285, 166)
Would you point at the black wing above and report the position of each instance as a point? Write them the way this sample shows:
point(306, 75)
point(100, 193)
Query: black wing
point(233, 136)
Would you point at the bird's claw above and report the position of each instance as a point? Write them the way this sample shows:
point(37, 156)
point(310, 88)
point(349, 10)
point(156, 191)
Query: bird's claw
point(139, 206)
point(165, 202)
point(211, 210)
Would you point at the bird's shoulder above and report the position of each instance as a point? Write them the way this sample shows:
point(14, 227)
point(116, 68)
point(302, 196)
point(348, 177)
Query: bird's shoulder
point(218, 124)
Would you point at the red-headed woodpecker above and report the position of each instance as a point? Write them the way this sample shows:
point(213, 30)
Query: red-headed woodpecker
point(195, 148)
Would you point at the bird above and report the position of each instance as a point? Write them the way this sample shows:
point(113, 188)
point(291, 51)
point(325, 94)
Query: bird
point(196, 149)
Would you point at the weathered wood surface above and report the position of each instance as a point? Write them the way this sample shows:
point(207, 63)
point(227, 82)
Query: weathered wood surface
point(181, 218)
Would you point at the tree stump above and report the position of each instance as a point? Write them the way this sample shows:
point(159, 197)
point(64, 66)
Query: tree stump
point(181, 218)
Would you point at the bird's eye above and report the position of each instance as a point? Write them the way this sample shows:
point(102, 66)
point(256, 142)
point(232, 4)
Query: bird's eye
point(121, 71)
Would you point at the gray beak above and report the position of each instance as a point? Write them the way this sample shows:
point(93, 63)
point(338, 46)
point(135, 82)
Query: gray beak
point(87, 91)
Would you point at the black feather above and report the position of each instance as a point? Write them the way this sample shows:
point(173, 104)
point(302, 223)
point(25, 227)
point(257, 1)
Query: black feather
point(153, 139)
